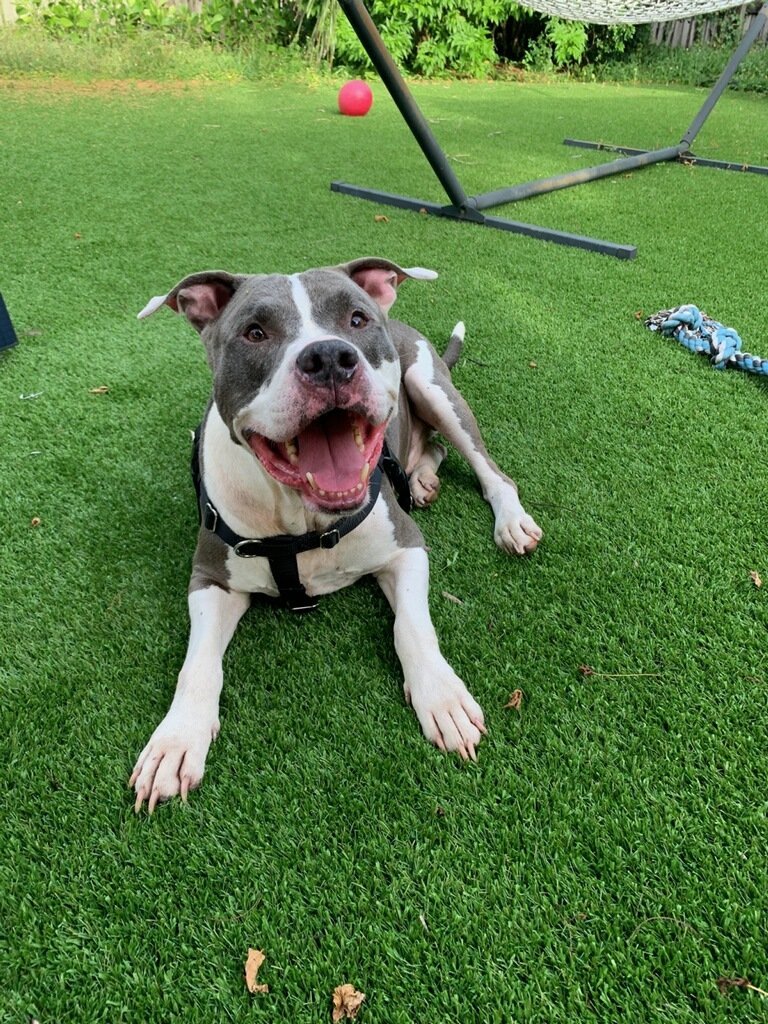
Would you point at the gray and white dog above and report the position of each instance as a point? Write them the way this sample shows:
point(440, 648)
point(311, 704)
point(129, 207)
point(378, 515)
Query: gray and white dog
point(311, 384)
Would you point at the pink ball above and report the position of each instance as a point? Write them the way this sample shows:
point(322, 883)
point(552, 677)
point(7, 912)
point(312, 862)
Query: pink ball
point(355, 98)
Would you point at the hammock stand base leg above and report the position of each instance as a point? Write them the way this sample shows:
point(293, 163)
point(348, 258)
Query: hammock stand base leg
point(468, 208)
point(471, 216)
point(685, 158)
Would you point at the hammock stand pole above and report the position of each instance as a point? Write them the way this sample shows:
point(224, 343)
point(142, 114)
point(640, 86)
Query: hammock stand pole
point(468, 208)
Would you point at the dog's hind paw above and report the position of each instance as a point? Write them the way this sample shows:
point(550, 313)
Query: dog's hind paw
point(425, 486)
point(172, 763)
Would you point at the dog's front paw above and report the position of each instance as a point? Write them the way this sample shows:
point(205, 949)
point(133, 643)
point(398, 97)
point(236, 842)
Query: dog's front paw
point(449, 715)
point(517, 533)
point(173, 762)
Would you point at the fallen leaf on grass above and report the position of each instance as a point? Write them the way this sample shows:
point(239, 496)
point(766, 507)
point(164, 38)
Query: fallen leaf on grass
point(726, 984)
point(755, 577)
point(515, 700)
point(101, 390)
point(346, 1002)
point(639, 314)
point(533, 365)
point(35, 521)
point(380, 218)
point(586, 670)
point(452, 597)
point(255, 959)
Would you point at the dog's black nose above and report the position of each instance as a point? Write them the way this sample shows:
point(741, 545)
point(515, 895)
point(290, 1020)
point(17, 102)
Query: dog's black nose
point(328, 362)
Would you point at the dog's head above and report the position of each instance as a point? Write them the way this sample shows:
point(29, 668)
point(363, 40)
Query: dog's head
point(305, 374)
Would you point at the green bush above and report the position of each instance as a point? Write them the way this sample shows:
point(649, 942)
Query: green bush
point(431, 37)
point(698, 66)
point(426, 37)
point(231, 23)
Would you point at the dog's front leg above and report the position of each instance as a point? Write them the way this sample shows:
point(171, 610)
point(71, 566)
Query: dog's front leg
point(173, 761)
point(449, 716)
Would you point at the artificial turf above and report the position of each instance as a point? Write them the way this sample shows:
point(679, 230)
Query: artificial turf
point(605, 859)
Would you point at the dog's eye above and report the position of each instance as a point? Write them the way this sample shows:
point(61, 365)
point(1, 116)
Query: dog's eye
point(358, 319)
point(255, 333)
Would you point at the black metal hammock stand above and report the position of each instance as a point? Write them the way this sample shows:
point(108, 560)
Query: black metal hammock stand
point(473, 208)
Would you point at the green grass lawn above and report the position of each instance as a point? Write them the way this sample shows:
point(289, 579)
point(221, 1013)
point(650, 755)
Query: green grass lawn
point(605, 859)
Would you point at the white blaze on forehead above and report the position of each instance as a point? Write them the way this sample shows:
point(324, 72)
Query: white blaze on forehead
point(309, 331)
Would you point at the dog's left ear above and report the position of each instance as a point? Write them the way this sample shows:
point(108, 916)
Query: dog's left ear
point(200, 297)
point(380, 278)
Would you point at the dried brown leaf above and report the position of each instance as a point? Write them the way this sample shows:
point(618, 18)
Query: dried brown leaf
point(639, 314)
point(726, 984)
point(586, 670)
point(35, 521)
point(380, 218)
point(533, 365)
point(255, 959)
point(346, 1003)
point(515, 700)
point(101, 390)
point(755, 577)
point(452, 597)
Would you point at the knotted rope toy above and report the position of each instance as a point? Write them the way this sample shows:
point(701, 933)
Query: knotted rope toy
point(700, 333)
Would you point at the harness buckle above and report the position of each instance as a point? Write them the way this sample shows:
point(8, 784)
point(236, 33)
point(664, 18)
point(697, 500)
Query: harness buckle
point(248, 549)
point(330, 539)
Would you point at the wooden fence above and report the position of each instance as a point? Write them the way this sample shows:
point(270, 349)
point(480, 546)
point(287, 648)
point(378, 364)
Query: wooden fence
point(7, 12)
point(687, 31)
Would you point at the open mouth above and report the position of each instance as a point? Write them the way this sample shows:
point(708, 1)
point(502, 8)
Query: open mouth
point(329, 461)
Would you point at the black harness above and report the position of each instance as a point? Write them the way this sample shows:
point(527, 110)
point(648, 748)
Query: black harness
point(281, 550)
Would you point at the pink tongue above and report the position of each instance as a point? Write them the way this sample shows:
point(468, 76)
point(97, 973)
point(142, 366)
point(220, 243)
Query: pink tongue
point(328, 451)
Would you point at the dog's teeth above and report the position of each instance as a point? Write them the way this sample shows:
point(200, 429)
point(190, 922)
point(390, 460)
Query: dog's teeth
point(322, 493)
point(364, 473)
point(311, 481)
point(358, 438)
point(292, 452)
point(359, 487)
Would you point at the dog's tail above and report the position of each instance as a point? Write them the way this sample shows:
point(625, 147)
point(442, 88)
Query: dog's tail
point(454, 346)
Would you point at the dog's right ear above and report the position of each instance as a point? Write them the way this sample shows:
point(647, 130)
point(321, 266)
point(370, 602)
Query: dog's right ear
point(200, 297)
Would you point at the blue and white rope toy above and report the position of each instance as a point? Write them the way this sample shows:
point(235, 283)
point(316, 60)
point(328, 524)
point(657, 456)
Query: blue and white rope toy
point(700, 333)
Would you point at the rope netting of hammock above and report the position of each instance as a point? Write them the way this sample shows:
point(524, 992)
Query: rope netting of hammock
point(629, 12)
